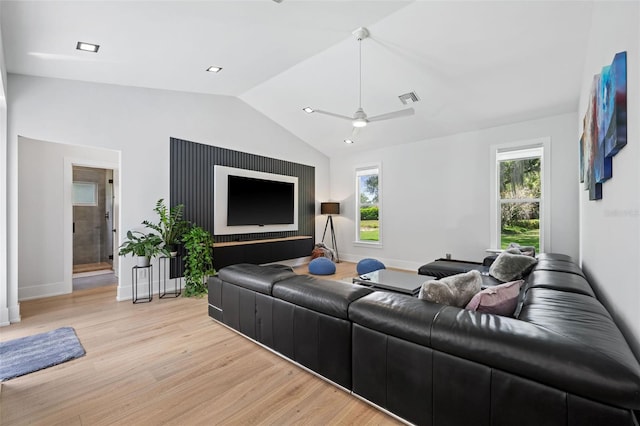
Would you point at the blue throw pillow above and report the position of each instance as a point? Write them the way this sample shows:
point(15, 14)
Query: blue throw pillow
point(369, 265)
point(322, 266)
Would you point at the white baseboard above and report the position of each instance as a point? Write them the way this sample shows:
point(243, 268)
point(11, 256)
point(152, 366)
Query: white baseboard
point(14, 313)
point(125, 292)
point(389, 263)
point(4, 317)
point(43, 290)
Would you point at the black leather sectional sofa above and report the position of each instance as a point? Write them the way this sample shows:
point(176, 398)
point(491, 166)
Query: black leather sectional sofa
point(560, 361)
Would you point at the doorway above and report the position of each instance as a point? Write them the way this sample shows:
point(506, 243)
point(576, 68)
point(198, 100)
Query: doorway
point(93, 213)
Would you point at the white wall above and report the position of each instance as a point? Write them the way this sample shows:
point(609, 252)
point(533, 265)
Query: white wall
point(435, 194)
point(138, 123)
point(44, 208)
point(4, 306)
point(610, 228)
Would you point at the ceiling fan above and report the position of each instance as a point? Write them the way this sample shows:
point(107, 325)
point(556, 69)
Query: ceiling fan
point(360, 118)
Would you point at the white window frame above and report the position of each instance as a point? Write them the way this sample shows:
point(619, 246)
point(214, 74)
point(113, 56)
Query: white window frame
point(514, 151)
point(363, 171)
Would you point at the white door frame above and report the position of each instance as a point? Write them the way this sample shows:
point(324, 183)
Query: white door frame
point(69, 162)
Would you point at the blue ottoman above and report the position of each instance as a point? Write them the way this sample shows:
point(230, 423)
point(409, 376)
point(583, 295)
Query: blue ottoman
point(322, 266)
point(369, 265)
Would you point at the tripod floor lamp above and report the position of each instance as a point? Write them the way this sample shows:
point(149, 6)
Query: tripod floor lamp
point(330, 209)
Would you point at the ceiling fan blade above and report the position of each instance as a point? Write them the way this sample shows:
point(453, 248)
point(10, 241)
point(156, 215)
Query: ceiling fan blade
point(395, 114)
point(344, 117)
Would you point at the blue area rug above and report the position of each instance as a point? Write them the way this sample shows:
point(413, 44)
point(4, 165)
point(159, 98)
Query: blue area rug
point(28, 354)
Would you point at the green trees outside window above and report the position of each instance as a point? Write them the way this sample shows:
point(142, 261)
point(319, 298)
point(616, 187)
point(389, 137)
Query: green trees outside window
point(520, 197)
point(368, 205)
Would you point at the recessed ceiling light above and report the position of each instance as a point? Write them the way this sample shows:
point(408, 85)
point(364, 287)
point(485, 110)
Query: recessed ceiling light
point(348, 141)
point(87, 47)
point(308, 110)
point(214, 69)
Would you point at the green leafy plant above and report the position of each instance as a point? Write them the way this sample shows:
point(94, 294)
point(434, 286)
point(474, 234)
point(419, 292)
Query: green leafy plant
point(198, 262)
point(141, 244)
point(171, 227)
point(369, 213)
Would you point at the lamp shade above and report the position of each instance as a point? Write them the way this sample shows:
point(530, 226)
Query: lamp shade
point(329, 208)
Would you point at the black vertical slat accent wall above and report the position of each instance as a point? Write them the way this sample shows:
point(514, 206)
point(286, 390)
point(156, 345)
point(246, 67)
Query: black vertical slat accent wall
point(191, 176)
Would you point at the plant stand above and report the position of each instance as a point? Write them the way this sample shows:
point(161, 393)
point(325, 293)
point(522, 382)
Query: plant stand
point(134, 284)
point(163, 264)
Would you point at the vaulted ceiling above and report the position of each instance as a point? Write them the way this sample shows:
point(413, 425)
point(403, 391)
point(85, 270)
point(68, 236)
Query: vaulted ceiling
point(473, 64)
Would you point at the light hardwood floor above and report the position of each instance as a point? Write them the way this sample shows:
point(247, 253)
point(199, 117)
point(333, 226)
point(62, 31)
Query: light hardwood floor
point(165, 362)
point(88, 267)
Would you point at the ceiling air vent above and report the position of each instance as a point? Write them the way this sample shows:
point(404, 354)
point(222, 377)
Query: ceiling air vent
point(410, 97)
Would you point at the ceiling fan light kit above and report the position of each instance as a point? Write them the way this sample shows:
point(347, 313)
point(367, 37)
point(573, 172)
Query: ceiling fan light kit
point(360, 118)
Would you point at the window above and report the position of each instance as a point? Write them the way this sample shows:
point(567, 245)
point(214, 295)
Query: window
point(85, 194)
point(519, 208)
point(368, 205)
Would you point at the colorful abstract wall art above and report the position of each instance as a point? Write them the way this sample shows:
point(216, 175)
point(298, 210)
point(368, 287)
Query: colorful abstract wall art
point(604, 125)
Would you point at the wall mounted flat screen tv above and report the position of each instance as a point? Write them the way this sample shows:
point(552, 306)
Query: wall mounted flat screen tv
point(249, 201)
point(252, 201)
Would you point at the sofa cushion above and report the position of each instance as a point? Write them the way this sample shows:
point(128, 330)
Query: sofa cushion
point(555, 256)
point(565, 341)
point(510, 266)
point(585, 322)
point(558, 265)
point(456, 290)
point(395, 314)
point(559, 281)
point(255, 277)
point(498, 300)
point(325, 296)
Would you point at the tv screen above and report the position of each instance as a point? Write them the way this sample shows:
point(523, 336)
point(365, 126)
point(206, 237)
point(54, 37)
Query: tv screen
point(252, 201)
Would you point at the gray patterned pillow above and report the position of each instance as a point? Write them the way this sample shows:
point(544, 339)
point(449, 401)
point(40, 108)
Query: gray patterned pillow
point(509, 266)
point(456, 290)
point(437, 292)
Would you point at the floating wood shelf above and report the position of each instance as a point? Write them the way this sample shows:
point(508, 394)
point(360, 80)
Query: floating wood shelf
point(261, 251)
point(267, 240)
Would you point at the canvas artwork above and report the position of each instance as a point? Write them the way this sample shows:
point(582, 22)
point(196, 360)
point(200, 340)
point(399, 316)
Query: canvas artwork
point(604, 125)
point(581, 165)
point(616, 122)
point(591, 142)
point(602, 163)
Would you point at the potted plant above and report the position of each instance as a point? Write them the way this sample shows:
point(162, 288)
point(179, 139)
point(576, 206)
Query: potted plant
point(171, 227)
point(145, 246)
point(198, 244)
